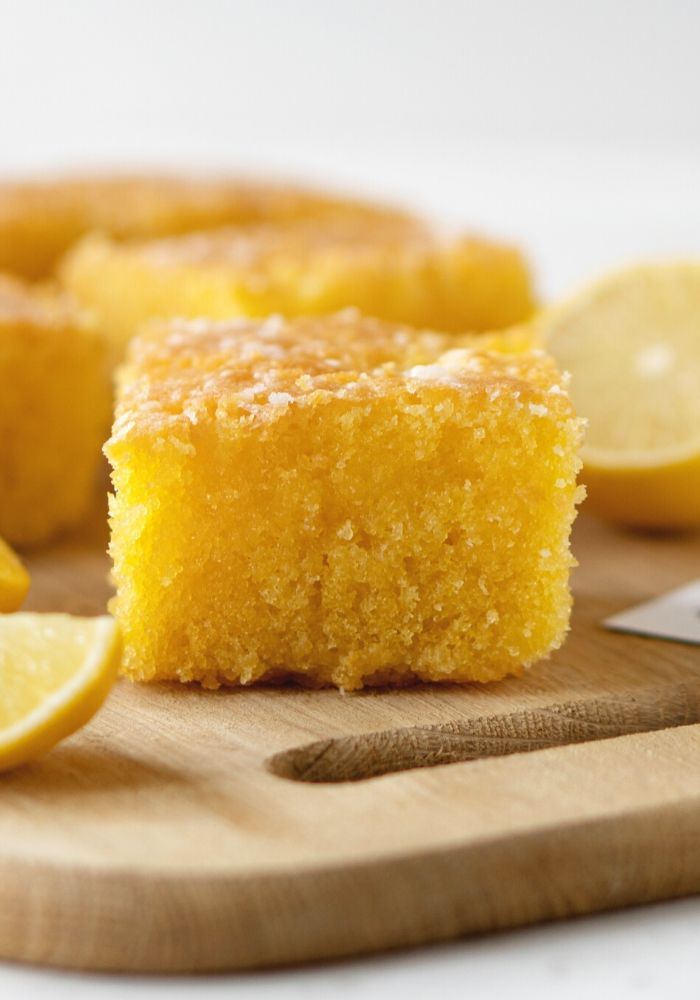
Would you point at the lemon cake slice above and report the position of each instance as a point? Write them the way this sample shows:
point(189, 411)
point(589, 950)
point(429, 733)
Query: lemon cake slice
point(39, 220)
point(338, 501)
point(54, 412)
point(395, 269)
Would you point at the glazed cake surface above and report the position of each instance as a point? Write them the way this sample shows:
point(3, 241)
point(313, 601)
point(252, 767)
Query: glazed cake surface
point(338, 501)
point(395, 269)
point(54, 412)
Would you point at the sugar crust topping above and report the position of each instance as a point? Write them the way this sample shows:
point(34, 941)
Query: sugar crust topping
point(192, 370)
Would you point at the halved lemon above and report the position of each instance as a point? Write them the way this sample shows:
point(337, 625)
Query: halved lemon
point(632, 346)
point(14, 579)
point(55, 672)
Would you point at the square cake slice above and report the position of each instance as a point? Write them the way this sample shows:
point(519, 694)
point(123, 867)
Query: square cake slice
point(338, 501)
point(398, 270)
point(55, 402)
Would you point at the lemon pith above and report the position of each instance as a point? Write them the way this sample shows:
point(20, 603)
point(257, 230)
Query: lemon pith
point(55, 672)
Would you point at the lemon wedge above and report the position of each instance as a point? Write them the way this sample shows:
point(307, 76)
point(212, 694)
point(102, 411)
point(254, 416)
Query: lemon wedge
point(14, 579)
point(632, 346)
point(55, 672)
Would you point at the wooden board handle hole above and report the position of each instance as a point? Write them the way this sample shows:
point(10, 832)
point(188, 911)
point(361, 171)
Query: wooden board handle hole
point(356, 758)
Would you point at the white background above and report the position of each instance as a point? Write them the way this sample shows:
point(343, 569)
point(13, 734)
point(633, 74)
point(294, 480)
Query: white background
point(572, 126)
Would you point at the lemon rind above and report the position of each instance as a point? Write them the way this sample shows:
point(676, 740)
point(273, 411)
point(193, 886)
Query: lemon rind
point(103, 647)
point(609, 459)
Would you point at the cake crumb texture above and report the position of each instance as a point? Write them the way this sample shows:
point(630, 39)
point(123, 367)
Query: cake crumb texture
point(338, 501)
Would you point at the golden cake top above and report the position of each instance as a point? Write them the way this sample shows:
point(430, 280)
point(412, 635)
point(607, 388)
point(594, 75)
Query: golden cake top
point(128, 204)
point(263, 250)
point(184, 372)
point(260, 246)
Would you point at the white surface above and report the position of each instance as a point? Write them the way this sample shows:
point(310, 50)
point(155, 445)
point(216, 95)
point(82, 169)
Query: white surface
point(571, 125)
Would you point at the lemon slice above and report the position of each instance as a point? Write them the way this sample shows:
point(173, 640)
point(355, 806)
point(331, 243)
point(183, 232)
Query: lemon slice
point(14, 579)
point(55, 672)
point(632, 346)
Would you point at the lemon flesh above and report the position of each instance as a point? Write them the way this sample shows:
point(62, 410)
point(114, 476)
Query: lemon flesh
point(55, 672)
point(632, 346)
point(14, 579)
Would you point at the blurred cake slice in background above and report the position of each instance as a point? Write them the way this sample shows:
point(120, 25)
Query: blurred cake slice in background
point(54, 412)
point(39, 220)
point(395, 269)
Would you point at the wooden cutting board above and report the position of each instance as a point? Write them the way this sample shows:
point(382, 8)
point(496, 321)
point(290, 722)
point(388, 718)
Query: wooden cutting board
point(193, 830)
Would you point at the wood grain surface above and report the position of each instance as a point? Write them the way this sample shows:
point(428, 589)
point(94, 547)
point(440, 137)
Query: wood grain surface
point(191, 830)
